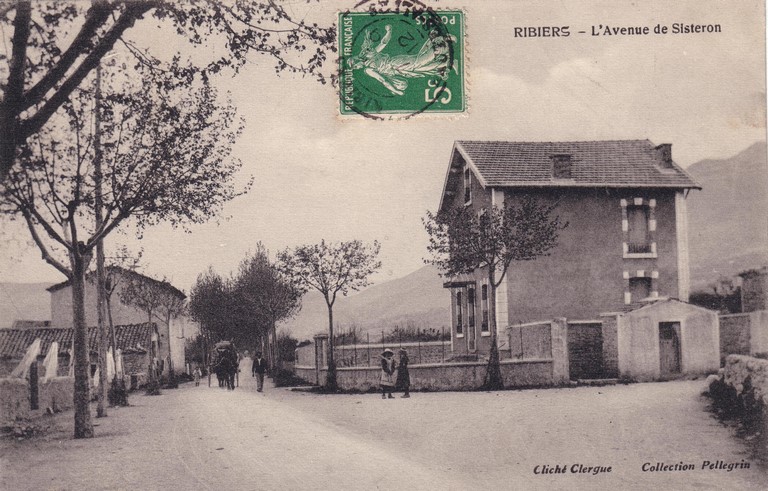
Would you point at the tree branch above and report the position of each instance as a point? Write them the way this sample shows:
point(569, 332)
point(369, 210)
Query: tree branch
point(124, 22)
point(40, 245)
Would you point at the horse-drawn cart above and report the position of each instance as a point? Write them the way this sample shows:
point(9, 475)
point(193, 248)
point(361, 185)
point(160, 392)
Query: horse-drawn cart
point(225, 364)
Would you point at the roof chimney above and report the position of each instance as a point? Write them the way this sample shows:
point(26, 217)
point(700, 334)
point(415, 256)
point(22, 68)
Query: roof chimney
point(664, 154)
point(561, 166)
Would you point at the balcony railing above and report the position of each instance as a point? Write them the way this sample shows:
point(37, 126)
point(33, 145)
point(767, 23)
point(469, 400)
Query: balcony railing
point(639, 248)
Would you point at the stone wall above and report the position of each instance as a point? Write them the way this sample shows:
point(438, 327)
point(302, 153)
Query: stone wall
point(744, 334)
point(734, 335)
point(754, 290)
point(739, 367)
point(369, 354)
point(530, 340)
point(57, 393)
point(610, 345)
point(444, 376)
point(14, 399)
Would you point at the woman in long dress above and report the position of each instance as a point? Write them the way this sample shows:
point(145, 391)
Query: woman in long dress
point(387, 380)
point(403, 377)
point(393, 72)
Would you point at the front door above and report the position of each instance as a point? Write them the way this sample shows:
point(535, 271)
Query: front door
point(669, 347)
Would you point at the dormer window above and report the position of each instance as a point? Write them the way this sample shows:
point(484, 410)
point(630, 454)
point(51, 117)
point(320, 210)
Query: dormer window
point(664, 156)
point(561, 166)
point(467, 185)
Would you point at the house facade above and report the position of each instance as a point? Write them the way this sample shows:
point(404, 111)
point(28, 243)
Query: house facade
point(626, 239)
point(171, 335)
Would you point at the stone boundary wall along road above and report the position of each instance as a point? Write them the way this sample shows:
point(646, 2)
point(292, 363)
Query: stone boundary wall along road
point(444, 376)
point(56, 393)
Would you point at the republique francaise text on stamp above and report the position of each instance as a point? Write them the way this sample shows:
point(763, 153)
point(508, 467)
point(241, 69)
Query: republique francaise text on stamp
point(401, 62)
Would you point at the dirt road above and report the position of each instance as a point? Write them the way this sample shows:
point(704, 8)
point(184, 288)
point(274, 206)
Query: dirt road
point(207, 438)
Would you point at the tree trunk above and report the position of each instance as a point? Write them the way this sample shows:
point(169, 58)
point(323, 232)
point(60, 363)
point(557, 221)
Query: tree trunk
point(330, 381)
point(493, 379)
point(83, 424)
point(275, 351)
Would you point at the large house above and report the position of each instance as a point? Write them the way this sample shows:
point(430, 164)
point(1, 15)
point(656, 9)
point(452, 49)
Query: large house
point(626, 238)
point(171, 334)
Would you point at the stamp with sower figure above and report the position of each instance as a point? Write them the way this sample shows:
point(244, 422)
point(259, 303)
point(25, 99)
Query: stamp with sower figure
point(401, 63)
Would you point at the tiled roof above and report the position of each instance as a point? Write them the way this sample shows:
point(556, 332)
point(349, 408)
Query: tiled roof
point(618, 163)
point(131, 275)
point(14, 342)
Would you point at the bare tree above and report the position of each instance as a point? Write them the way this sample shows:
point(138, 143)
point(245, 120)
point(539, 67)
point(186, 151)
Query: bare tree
point(463, 240)
point(166, 158)
point(55, 46)
point(331, 269)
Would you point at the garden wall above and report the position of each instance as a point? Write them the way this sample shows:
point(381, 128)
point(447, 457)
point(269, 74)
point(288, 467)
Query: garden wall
point(56, 393)
point(14, 399)
point(743, 334)
point(449, 376)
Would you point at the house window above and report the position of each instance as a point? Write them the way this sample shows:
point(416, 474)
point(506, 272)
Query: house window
point(459, 316)
point(484, 328)
point(467, 185)
point(638, 218)
point(639, 288)
point(471, 308)
point(638, 223)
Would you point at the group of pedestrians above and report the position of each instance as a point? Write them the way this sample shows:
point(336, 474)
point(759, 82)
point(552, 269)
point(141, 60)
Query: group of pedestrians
point(394, 374)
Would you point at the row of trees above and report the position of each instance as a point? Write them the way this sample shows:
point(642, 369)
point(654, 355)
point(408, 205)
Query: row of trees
point(247, 306)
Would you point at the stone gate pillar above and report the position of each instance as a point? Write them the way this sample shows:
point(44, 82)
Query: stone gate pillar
point(321, 355)
point(559, 336)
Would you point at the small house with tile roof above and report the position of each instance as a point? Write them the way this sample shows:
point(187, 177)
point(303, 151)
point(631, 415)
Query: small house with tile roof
point(171, 335)
point(626, 240)
point(133, 340)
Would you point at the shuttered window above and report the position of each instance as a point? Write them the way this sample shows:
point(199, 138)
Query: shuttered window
point(639, 237)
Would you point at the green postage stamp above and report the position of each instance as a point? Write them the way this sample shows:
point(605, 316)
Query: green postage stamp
point(401, 62)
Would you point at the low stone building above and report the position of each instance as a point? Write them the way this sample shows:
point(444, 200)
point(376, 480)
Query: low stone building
point(133, 340)
point(663, 339)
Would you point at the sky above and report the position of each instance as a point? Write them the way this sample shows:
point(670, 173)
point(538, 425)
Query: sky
point(318, 176)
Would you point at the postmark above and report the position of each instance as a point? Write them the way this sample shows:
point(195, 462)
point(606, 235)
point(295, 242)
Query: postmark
point(401, 63)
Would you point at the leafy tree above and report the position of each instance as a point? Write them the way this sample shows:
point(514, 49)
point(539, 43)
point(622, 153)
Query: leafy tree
point(722, 295)
point(265, 296)
point(331, 269)
point(210, 304)
point(463, 240)
point(55, 46)
point(166, 157)
point(286, 346)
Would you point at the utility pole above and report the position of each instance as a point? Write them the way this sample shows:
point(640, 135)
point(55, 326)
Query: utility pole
point(101, 409)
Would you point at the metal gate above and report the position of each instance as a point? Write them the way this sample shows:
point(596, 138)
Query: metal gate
point(585, 351)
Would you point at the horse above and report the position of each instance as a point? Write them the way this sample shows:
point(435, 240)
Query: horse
point(225, 365)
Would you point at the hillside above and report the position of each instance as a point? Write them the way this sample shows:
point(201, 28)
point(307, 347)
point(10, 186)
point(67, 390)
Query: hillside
point(29, 301)
point(417, 299)
point(728, 219)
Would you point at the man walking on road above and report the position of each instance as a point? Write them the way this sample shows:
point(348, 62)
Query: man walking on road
point(258, 368)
